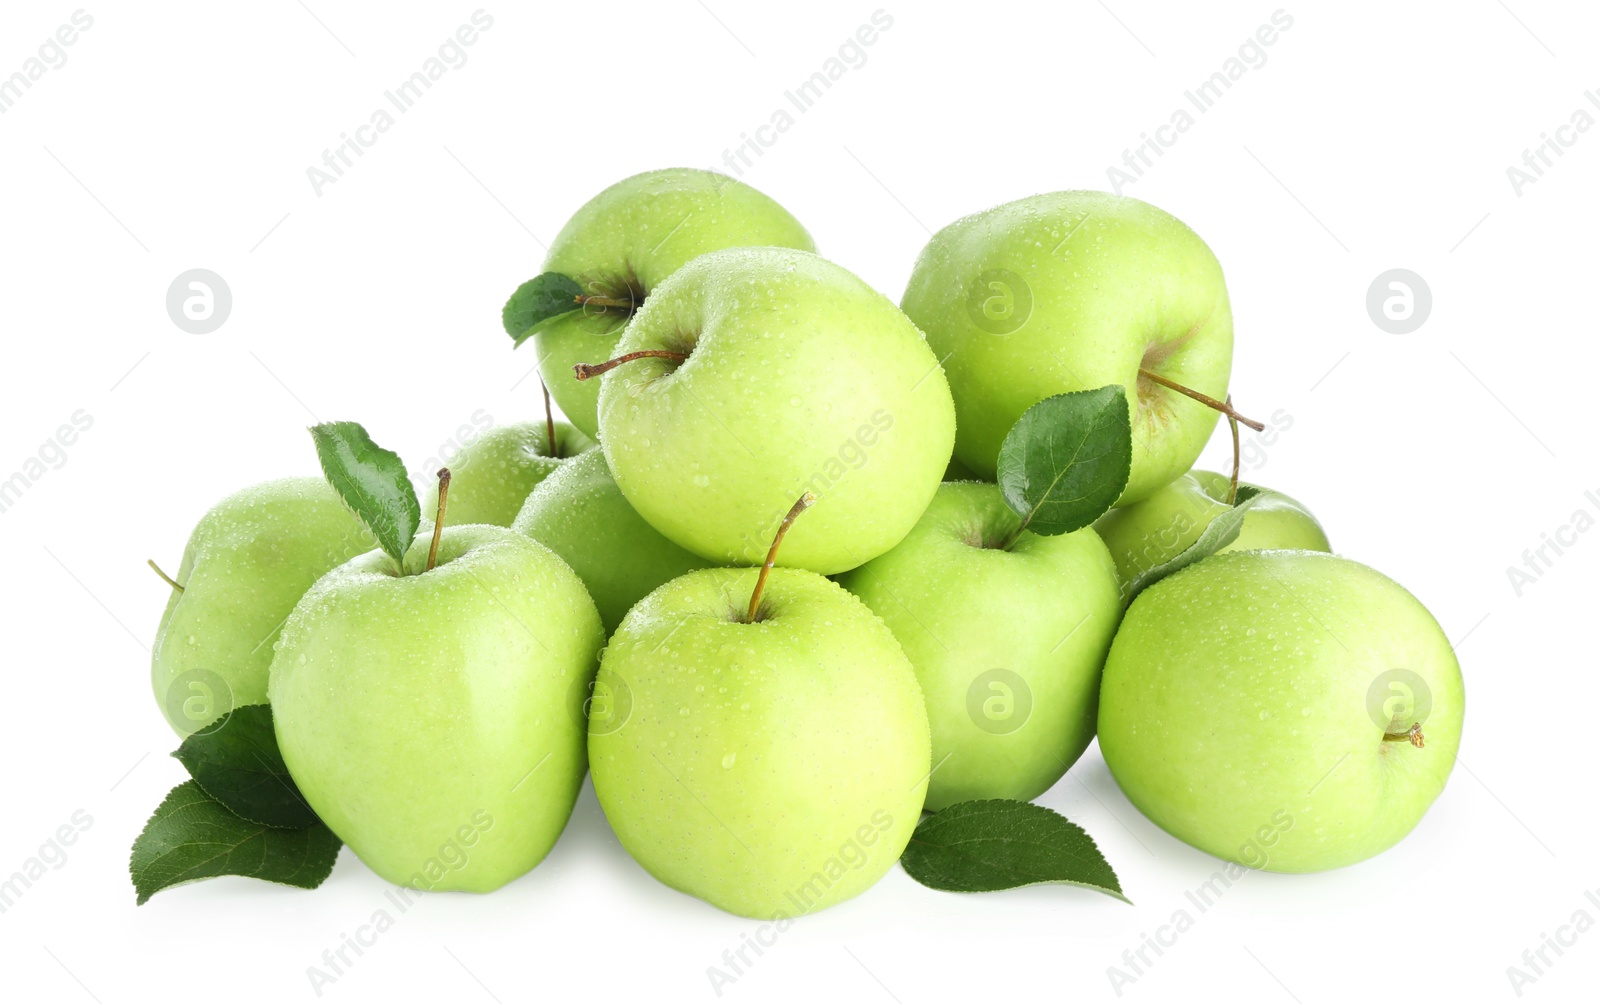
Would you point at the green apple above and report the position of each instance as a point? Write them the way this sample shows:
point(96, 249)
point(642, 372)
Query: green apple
point(1072, 291)
point(1010, 708)
point(623, 242)
point(780, 373)
point(1260, 705)
point(581, 515)
point(426, 717)
point(247, 563)
point(1157, 529)
point(770, 768)
point(493, 475)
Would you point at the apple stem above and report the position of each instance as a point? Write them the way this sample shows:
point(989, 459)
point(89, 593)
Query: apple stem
point(1413, 735)
point(169, 580)
point(549, 418)
point(1210, 402)
point(1233, 426)
point(584, 371)
point(438, 521)
point(801, 504)
point(605, 301)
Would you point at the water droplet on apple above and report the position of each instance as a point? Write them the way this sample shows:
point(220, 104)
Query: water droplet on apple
point(727, 760)
point(683, 712)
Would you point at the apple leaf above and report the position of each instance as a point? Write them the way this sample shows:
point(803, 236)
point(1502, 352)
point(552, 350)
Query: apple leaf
point(1067, 459)
point(998, 843)
point(194, 836)
point(536, 301)
point(1219, 533)
point(239, 765)
point(372, 481)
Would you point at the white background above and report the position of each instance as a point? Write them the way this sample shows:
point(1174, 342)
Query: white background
point(1376, 136)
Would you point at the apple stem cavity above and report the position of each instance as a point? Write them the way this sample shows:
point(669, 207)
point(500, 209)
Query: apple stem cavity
point(584, 371)
point(1233, 482)
point(1413, 735)
point(438, 520)
point(550, 419)
point(801, 504)
point(169, 580)
point(1210, 402)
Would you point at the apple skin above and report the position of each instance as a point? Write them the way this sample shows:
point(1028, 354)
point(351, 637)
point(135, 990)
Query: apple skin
point(771, 769)
point(1236, 709)
point(1044, 610)
point(800, 377)
point(1076, 290)
point(247, 563)
point(580, 514)
point(430, 717)
point(494, 474)
point(1157, 529)
point(625, 241)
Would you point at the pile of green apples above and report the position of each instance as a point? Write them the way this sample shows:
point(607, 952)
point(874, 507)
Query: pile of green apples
point(804, 567)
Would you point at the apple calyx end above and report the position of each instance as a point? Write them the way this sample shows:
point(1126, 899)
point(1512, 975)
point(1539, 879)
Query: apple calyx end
point(801, 504)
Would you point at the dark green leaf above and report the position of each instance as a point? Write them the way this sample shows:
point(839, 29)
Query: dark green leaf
point(372, 481)
point(998, 843)
point(1219, 533)
point(239, 765)
point(1067, 459)
point(536, 301)
point(194, 836)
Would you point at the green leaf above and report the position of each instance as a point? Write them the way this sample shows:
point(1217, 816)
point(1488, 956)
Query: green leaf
point(194, 836)
point(372, 481)
point(1067, 459)
point(1219, 533)
point(997, 843)
point(239, 765)
point(536, 301)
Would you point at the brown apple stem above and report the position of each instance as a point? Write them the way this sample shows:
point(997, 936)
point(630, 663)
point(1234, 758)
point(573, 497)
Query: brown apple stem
point(584, 371)
point(438, 520)
point(801, 504)
point(1413, 735)
point(549, 418)
point(1233, 426)
point(169, 580)
point(1205, 399)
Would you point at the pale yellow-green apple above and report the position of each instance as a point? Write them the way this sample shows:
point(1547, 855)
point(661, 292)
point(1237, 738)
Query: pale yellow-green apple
point(580, 514)
point(1157, 529)
point(620, 246)
point(755, 374)
point(426, 715)
point(1072, 291)
point(1286, 710)
point(493, 475)
point(247, 563)
point(1007, 632)
point(770, 768)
